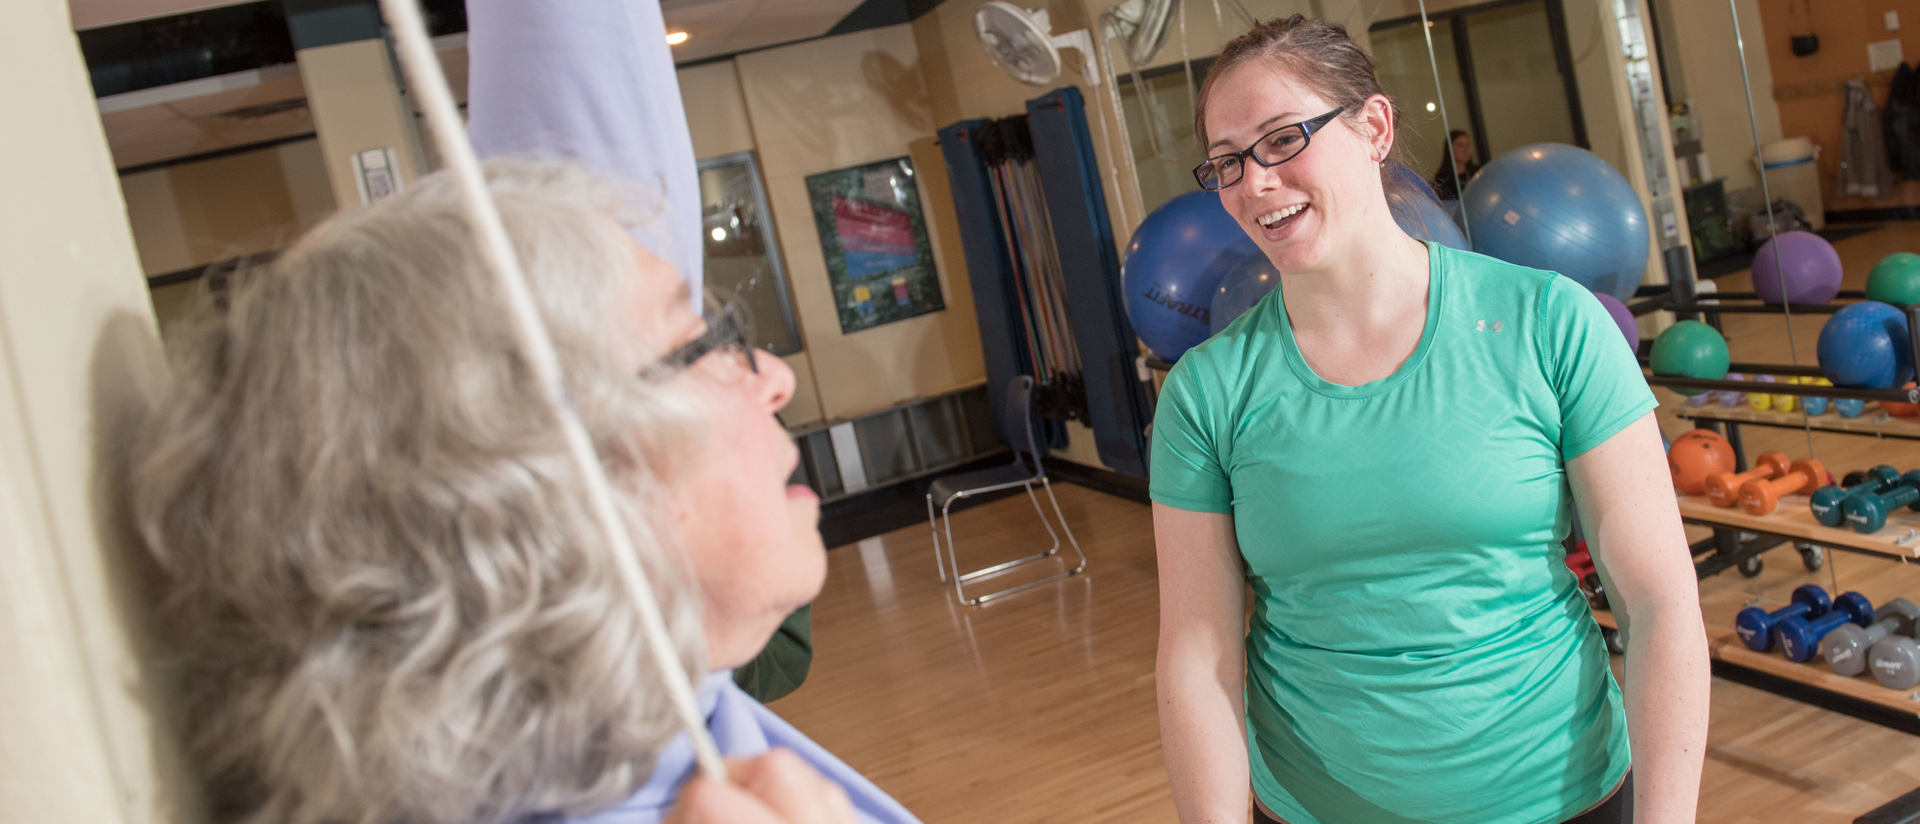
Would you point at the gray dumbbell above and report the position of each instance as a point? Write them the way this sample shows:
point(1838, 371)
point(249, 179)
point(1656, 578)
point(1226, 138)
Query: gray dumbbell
point(1846, 647)
point(1895, 660)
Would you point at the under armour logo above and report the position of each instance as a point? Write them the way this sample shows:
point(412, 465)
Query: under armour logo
point(1481, 326)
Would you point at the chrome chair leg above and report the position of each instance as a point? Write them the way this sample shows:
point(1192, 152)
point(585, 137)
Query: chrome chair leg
point(1044, 484)
point(960, 579)
point(1043, 518)
point(933, 526)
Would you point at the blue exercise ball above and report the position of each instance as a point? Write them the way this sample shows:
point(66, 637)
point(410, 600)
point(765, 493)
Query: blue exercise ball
point(1173, 266)
point(1560, 208)
point(1418, 210)
point(1242, 287)
point(1865, 345)
point(1425, 219)
point(1413, 206)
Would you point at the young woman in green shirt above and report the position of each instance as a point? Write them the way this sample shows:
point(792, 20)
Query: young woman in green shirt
point(1387, 451)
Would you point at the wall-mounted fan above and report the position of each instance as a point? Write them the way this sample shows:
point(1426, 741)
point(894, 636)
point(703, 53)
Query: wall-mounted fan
point(1023, 43)
point(1143, 25)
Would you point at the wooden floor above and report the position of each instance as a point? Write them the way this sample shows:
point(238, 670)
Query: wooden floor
point(1040, 707)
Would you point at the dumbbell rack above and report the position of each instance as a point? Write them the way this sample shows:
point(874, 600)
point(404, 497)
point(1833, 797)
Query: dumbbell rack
point(1874, 422)
point(1811, 683)
point(1792, 521)
point(1739, 538)
point(1728, 548)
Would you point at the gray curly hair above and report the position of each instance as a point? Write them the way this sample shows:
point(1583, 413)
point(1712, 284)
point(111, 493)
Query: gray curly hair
point(386, 593)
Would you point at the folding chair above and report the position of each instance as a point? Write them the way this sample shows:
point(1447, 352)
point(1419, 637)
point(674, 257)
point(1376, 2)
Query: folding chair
point(1016, 422)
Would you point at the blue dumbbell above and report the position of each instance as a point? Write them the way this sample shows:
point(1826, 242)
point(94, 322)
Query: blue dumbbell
point(1849, 407)
point(1827, 500)
point(1756, 625)
point(1815, 406)
point(1799, 638)
point(1867, 512)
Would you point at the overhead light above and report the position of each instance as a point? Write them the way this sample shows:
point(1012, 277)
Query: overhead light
point(719, 234)
point(1429, 107)
point(675, 38)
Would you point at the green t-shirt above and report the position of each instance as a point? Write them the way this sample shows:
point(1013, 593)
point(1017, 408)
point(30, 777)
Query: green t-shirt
point(1418, 650)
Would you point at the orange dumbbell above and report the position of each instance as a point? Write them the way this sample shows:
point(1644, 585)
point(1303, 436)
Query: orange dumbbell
point(1723, 488)
point(1760, 495)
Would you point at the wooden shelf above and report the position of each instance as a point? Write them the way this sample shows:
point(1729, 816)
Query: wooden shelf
point(1873, 422)
point(1794, 519)
point(1724, 644)
point(1816, 674)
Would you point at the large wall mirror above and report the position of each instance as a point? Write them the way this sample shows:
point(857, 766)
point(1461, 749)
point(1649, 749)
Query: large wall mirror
point(742, 255)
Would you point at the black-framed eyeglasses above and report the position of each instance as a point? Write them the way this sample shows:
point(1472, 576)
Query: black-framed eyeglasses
point(725, 330)
point(1272, 149)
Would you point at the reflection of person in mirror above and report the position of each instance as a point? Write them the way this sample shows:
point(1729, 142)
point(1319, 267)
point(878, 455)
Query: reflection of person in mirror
point(1456, 168)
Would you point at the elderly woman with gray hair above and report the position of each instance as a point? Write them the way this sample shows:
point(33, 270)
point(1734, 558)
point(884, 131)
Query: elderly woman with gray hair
point(388, 601)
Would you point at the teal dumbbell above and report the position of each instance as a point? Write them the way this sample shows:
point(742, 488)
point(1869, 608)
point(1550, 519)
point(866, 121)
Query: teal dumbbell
point(1849, 407)
point(1867, 512)
point(1827, 499)
point(1799, 638)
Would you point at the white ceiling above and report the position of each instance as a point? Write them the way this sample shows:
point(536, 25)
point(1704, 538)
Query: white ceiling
point(245, 108)
point(228, 111)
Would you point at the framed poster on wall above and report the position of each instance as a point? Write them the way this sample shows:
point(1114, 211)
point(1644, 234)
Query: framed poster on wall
point(875, 240)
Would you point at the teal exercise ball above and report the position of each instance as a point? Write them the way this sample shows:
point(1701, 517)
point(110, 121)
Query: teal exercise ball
point(1895, 279)
point(1560, 208)
point(1690, 349)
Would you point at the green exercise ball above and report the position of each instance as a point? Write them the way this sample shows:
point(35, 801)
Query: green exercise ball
point(1895, 279)
point(1690, 349)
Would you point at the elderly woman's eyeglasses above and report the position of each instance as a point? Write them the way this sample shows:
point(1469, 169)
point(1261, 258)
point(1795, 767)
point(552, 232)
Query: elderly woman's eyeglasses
point(1272, 149)
point(725, 331)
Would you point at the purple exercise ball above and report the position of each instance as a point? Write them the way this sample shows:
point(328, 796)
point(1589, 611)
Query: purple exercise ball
point(1812, 268)
point(1622, 317)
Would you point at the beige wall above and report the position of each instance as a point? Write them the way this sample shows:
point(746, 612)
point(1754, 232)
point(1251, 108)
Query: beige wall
point(716, 110)
point(197, 213)
point(828, 104)
point(82, 734)
point(1708, 75)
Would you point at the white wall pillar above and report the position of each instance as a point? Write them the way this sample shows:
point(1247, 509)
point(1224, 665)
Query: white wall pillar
point(83, 730)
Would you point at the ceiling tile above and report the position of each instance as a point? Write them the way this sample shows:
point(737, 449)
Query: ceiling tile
point(143, 136)
point(265, 94)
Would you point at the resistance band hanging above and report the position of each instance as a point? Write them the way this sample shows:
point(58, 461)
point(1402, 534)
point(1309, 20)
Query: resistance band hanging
point(1045, 270)
point(1038, 289)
